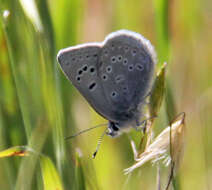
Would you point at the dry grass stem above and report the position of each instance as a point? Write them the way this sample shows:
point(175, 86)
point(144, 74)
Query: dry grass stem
point(160, 147)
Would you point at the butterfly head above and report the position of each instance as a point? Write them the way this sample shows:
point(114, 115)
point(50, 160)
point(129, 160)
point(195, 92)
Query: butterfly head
point(113, 129)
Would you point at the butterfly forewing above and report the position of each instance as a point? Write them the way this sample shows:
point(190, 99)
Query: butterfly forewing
point(79, 64)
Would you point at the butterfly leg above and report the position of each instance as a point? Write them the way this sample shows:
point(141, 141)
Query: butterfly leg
point(147, 95)
point(135, 152)
point(145, 100)
point(141, 126)
point(134, 149)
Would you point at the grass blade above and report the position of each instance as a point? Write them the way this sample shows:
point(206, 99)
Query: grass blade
point(51, 178)
point(79, 174)
point(16, 151)
point(157, 93)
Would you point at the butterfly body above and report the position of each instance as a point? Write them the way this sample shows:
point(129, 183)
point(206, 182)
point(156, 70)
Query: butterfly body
point(114, 76)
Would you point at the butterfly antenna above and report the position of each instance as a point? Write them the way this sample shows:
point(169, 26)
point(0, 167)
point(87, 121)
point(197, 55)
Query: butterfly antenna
point(83, 131)
point(99, 143)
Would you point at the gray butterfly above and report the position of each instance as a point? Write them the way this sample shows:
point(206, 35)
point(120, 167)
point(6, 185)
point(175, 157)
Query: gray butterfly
point(114, 76)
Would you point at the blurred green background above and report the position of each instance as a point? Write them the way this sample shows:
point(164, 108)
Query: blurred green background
point(39, 107)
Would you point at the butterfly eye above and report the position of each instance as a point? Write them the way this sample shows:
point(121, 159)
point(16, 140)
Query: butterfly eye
point(115, 128)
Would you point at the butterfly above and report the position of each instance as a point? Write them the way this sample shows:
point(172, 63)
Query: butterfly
point(114, 76)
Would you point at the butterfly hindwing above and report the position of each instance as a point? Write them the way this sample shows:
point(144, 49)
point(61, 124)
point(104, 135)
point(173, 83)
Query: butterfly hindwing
point(126, 72)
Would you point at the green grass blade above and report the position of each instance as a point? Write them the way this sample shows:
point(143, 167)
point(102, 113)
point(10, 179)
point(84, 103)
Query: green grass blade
point(51, 178)
point(162, 30)
point(157, 92)
point(7, 22)
point(16, 151)
point(79, 174)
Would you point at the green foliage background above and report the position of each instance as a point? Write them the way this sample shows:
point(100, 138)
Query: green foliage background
point(39, 107)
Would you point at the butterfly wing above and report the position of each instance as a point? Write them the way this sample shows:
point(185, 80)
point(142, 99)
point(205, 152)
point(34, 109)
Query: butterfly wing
point(113, 76)
point(126, 72)
point(79, 64)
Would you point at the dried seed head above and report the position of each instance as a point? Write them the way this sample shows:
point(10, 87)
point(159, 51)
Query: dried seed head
point(160, 147)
